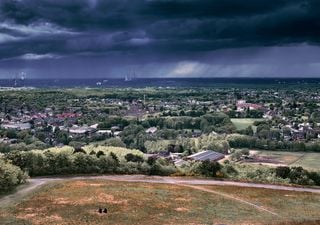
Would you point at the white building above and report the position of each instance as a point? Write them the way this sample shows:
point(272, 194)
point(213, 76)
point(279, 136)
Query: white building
point(151, 130)
point(17, 126)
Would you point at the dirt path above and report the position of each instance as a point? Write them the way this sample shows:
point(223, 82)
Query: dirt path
point(21, 192)
point(34, 183)
point(230, 197)
point(192, 181)
point(301, 157)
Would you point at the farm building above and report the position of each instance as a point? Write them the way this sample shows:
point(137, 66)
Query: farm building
point(206, 155)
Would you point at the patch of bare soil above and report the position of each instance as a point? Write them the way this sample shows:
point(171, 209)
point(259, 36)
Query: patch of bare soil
point(80, 184)
point(53, 218)
point(182, 199)
point(98, 198)
point(32, 210)
point(62, 201)
point(102, 197)
point(27, 216)
point(96, 185)
point(182, 209)
point(262, 159)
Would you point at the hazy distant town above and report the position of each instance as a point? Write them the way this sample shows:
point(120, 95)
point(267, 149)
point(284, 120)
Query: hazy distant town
point(58, 117)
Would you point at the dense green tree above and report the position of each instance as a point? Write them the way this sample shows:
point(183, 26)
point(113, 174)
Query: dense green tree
point(208, 168)
point(10, 176)
point(134, 158)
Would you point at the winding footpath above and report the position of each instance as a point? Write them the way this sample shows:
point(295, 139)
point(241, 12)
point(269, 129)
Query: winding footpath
point(34, 183)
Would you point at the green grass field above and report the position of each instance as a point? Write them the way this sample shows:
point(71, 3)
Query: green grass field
point(292, 206)
point(243, 123)
point(307, 160)
point(76, 202)
point(282, 157)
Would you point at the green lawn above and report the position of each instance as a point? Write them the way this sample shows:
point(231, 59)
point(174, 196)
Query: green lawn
point(243, 123)
point(283, 157)
point(77, 201)
point(307, 160)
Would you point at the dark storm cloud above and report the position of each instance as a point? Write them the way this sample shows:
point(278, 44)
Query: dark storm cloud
point(137, 31)
point(163, 26)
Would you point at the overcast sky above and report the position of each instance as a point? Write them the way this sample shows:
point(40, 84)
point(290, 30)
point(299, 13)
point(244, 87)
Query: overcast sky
point(160, 38)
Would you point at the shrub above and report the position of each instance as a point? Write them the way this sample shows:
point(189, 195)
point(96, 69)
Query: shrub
point(10, 176)
point(298, 175)
point(208, 168)
point(133, 158)
point(229, 170)
point(115, 142)
point(100, 153)
point(283, 172)
point(315, 177)
point(79, 150)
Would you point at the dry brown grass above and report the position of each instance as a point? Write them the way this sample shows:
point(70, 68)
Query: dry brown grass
point(293, 207)
point(76, 202)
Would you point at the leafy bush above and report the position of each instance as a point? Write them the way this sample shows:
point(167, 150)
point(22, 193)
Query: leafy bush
point(207, 168)
point(298, 175)
point(10, 176)
point(283, 171)
point(133, 158)
point(115, 142)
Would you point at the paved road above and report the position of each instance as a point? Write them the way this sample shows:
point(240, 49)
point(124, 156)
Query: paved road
point(34, 183)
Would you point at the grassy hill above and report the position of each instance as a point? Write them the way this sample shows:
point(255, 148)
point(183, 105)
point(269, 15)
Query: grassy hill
point(77, 202)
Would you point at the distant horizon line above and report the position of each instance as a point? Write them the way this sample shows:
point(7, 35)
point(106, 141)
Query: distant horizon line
point(163, 78)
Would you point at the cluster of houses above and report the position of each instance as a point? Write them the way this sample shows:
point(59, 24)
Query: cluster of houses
point(217, 101)
point(65, 121)
point(28, 120)
point(242, 105)
point(300, 131)
point(297, 130)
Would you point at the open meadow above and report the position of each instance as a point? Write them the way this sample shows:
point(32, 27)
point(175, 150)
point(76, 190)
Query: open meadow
point(306, 160)
point(78, 201)
point(309, 161)
point(243, 123)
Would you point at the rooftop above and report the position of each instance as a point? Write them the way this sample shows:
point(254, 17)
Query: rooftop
point(206, 155)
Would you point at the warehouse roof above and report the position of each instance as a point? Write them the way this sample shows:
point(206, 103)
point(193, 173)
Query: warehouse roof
point(206, 155)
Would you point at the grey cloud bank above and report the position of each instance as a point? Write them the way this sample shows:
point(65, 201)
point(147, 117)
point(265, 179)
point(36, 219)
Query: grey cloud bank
point(160, 38)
